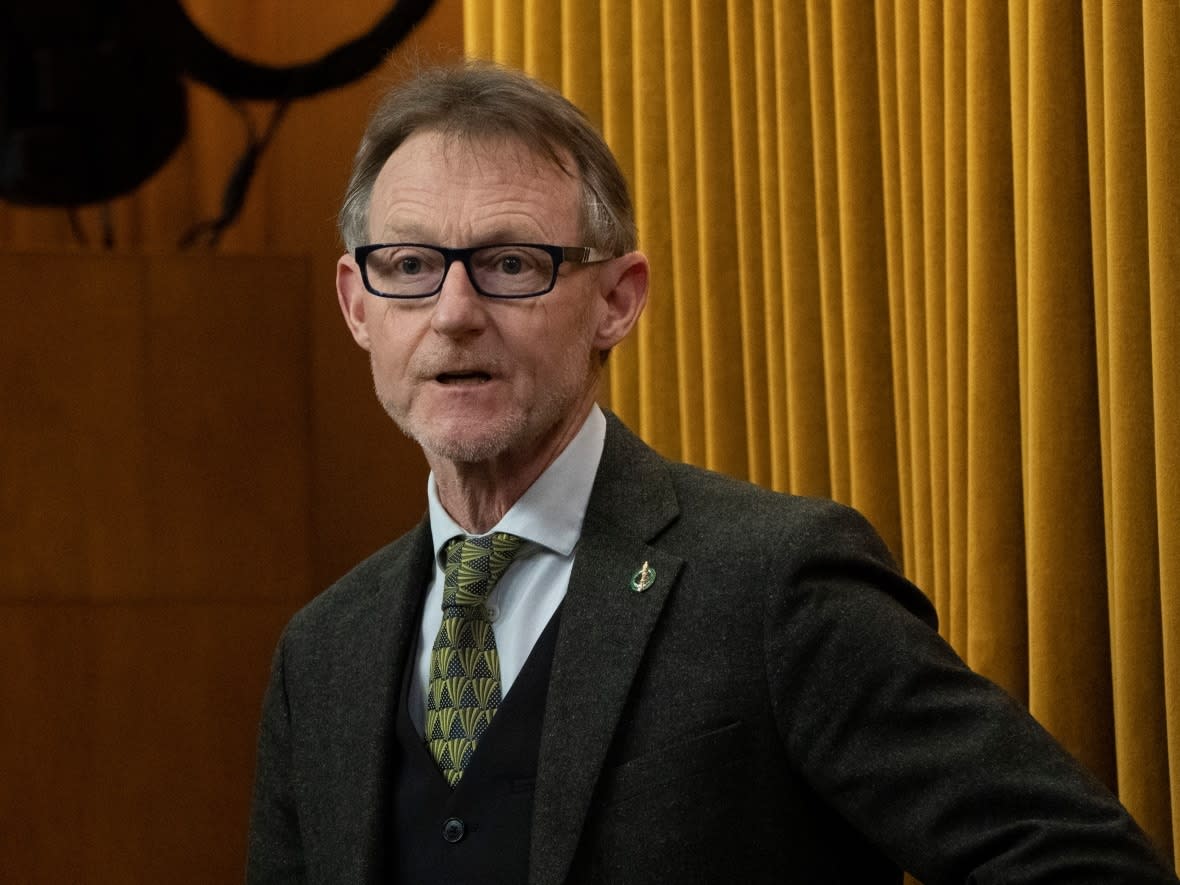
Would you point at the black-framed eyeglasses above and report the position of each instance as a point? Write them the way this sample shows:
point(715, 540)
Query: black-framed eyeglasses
point(502, 270)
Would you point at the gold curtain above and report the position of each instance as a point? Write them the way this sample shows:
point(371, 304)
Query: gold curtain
point(923, 257)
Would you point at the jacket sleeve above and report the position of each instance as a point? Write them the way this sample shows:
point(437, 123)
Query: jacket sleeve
point(275, 852)
point(944, 771)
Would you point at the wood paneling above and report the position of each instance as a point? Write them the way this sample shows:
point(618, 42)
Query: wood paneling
point(155, 529)
point(156, 438)
point(190, 449)
point(127, 739)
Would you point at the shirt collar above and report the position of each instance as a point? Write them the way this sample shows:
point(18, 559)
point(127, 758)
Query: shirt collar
point(551, 511)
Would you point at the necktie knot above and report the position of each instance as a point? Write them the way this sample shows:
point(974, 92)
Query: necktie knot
point(474, 565)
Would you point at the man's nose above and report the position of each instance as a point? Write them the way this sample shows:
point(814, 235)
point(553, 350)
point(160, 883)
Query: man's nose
point(459, 309)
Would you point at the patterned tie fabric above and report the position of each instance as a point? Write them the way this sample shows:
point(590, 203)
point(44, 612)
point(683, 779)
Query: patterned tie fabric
point(464, 687)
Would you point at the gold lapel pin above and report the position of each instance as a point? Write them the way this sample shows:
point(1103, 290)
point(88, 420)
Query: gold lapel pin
point(644, 578)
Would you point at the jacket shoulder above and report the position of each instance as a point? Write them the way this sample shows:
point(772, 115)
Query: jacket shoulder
point(738, 507)
point(356, 589)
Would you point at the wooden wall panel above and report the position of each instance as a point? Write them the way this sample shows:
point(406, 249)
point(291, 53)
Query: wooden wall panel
point(190, 448)
point(155, 535)
point(156, 433)
point(229, 406)
point(72, 438)
point(127, 739)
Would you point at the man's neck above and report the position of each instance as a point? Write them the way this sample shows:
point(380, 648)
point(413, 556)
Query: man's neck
point(477, 501)
point(477, 495)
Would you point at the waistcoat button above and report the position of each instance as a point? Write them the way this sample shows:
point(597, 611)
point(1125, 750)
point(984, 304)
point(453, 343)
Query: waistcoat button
point(454, 829)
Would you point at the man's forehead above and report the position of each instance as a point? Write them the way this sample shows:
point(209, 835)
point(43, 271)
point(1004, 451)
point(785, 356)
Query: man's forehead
point(486, 154)
point(473, 189)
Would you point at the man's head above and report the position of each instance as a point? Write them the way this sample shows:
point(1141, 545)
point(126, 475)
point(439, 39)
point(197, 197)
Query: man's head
point(480, 102)
point(480, 158)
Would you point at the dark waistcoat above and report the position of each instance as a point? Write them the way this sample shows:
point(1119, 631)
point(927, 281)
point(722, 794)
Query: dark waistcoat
point(478, 831)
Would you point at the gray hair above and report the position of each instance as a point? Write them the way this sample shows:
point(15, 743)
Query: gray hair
point(478, 102)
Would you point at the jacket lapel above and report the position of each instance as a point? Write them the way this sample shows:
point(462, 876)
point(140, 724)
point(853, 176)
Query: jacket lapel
point(379, 638)
point(606, 623)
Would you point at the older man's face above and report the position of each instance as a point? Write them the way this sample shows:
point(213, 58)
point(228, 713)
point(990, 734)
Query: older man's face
point(470, 378)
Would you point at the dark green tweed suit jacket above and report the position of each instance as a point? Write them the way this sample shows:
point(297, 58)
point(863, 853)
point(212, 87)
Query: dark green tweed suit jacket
point(775, 707)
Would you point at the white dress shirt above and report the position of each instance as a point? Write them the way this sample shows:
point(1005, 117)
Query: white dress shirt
point(548, 516)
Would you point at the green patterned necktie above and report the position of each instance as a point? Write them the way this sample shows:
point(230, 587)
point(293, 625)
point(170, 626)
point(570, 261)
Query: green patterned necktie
point(464, 687)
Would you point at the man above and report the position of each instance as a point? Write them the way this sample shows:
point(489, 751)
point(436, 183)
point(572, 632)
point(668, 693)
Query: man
point(589, 664)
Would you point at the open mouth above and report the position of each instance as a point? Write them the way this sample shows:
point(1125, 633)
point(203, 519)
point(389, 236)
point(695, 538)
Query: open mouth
point(462, 377)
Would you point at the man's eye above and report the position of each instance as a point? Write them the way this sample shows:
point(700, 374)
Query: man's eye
point(511, 264)
point(410, 265)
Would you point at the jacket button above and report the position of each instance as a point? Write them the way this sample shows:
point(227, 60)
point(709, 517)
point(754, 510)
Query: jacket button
point(454, 829)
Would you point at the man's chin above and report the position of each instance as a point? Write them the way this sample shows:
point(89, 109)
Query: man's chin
point(460, 450)
point(460, 442)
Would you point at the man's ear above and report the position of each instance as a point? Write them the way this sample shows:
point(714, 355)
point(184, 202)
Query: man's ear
point(353, 298)
point(624, 293)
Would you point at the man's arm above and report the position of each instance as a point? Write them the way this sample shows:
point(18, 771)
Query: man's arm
point(941, 768)
point(275, 847)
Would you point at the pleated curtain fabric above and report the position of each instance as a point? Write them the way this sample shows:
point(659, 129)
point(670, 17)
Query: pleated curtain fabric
point(923, 257)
